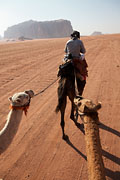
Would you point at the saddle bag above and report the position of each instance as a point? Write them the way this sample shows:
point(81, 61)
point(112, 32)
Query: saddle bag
point(81, 66)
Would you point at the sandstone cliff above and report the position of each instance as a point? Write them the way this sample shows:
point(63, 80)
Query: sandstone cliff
point(37, 30)
point(0, 37)
point(96, 33)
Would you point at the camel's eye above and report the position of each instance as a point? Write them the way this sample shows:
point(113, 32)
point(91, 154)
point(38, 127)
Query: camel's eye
point(79, 104)
point(18, 100)
point(19, 96)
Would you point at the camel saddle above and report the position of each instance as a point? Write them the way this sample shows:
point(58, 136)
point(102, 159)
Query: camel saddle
point(66, 69)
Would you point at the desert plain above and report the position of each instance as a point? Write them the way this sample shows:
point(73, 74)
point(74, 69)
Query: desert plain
point(37, 151)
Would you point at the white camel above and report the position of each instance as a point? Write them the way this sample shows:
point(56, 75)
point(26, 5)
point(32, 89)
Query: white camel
point(19, 103)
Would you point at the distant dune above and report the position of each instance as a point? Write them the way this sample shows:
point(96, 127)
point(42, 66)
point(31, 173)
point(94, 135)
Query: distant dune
point(38, 30)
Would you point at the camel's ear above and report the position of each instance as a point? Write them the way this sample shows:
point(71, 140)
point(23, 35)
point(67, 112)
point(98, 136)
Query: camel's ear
point(30, 93)
point(98, 106)
point(93, 108)
point(10, 99)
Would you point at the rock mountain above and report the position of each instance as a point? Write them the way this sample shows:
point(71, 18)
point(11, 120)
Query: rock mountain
point(37, 30)
point(96, 33)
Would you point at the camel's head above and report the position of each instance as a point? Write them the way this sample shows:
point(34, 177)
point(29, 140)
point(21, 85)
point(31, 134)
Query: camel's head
point(86, 105)
point(21, 98)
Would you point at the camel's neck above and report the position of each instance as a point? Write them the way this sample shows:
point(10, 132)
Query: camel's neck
point(13, 116)
point(93, 147)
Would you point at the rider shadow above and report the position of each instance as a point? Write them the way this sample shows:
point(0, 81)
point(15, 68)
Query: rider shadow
point(107, 128)
point(71, 145)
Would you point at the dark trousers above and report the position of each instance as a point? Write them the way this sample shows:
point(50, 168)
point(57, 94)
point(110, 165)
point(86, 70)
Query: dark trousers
point(80, 86)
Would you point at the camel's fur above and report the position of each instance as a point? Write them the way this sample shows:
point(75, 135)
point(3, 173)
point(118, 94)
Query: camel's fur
point(9, 130)
point(92, 138)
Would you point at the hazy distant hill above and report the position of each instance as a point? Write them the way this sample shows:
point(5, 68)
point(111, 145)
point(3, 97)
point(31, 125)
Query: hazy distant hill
point(96, 33)
point(46, 29)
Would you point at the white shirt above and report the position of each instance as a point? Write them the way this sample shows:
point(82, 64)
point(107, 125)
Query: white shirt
point(75, 47)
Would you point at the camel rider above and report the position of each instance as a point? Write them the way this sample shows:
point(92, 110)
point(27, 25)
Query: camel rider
point(75, 49)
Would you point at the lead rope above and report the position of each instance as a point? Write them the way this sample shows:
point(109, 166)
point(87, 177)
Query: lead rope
point(25, 108)
point(46, 87)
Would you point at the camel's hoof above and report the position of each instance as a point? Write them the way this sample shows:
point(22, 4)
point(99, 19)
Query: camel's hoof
point(65, 137)
point(98, 123)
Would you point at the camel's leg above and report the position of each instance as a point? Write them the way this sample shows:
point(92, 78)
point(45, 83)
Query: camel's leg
point(72, 111)
point(76, 115)
point(80, 86)
point(62, 110)
point(71, 96)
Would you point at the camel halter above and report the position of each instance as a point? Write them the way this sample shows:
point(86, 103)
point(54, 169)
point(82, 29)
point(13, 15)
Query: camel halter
point(24, 107)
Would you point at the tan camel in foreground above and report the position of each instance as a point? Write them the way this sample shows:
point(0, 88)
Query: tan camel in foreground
point(88, 110)
point(19, 103)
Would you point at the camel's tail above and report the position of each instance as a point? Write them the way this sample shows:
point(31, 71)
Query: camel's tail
point(61, 94)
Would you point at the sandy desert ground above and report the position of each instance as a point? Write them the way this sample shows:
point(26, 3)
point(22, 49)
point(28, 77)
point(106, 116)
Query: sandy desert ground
point(37, 152)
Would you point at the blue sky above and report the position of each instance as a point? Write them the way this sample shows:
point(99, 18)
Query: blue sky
point(86, 16)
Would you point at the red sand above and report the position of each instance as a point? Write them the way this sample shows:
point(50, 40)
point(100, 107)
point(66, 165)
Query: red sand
point(38, 152)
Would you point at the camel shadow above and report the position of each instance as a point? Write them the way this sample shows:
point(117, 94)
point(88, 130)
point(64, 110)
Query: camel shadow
point(107, 128)
point(111, 157)
point(114, 175)
point(71, 145)
point(80, 127)
point(8, 135)
point(101, 125)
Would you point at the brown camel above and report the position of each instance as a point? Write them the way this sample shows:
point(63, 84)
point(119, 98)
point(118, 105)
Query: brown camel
point(66, 87)
point(88, 110)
